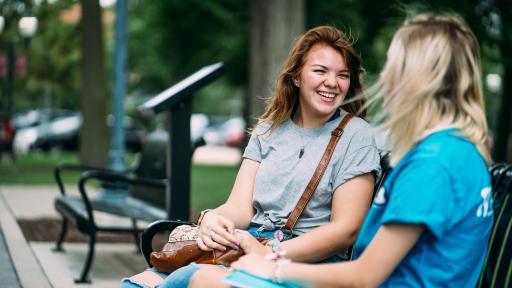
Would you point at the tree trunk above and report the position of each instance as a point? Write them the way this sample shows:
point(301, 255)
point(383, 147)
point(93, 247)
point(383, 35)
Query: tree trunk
point(274, 27)
point(94, 134)
point(503, 147)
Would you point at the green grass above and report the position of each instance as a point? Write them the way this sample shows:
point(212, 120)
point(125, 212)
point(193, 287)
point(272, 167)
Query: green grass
point(210, 185)
point(35, 168)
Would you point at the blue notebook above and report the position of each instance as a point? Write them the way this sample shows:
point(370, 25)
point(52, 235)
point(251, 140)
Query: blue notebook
point(245, 280)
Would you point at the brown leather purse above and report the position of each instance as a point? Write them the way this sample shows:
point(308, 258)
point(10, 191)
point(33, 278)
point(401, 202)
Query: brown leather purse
point(182, 249)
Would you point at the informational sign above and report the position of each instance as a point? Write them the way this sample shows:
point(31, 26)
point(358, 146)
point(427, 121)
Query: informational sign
point(20, 65)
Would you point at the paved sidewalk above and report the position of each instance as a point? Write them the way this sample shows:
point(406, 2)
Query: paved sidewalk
point(28, 269)
point(37, 265)
point(8, 274)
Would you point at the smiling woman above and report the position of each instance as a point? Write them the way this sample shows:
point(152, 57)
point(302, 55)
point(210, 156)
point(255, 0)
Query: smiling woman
point(285, 147)
point(324, 82)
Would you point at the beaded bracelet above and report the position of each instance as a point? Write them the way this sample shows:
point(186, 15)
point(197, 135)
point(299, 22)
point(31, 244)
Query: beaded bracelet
point(277, 273)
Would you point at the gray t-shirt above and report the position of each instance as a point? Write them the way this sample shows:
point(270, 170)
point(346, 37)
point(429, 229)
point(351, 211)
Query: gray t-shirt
point(282, 176)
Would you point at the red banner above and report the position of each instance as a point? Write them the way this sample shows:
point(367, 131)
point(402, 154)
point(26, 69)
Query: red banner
point(3, 64)
point(20, 65)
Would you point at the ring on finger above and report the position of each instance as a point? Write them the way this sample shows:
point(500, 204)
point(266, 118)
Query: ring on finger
point(211, 234)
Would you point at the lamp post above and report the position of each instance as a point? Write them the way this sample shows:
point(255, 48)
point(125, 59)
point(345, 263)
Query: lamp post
point(115, 194)
point(117, 149)
point(27, 27)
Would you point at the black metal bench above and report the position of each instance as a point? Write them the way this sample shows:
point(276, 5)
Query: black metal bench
point(497, 271)
point(148, 192)
point(80, 210)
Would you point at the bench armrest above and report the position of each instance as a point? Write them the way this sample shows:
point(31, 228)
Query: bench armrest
point(151, 230)
point(108, 175)
point(57, 172)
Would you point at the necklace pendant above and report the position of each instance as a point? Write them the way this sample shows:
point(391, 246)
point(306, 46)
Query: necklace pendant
point(301, 152)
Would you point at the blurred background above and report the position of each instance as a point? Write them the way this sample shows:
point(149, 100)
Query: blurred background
point(57, 69)
point(60, 87)
point(46, 86)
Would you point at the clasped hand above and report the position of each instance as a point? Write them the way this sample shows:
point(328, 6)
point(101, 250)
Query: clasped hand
point(218, 232)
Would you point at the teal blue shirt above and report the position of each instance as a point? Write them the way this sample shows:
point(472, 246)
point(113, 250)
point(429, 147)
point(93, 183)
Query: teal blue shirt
point(443, 184)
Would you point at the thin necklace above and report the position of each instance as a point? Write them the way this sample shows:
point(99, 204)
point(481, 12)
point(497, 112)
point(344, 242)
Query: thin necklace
point(299, 123)
point(301, 136)
point(301, 152)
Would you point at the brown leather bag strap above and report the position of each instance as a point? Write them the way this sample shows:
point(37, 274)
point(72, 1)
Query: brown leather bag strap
point(317, 176)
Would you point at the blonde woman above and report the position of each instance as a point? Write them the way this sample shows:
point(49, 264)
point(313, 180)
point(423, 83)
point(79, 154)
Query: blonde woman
point(429, 225)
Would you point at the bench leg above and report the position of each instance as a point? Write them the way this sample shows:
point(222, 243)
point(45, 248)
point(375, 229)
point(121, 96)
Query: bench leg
point(88, 261)
point(136, 235)
point(63, 231)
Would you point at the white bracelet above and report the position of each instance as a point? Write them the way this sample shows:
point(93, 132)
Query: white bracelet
point(279, 268)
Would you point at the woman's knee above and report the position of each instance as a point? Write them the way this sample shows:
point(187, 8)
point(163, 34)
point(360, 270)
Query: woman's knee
point(180, 277)
point(148, 278)
point(209, 277)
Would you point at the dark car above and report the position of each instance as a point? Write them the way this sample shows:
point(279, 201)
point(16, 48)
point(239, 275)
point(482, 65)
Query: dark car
point(37, 117)
point(62, 133)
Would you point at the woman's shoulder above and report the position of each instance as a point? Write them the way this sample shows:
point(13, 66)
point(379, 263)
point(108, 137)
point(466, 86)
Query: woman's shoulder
point(357, 134)
point(446, 148)
point(358, 123)
point(357, 127)
point(262, 128)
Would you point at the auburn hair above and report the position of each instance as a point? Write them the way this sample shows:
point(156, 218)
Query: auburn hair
point(285, 98)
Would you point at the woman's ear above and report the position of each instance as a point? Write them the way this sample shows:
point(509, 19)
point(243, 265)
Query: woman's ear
point(296, 82)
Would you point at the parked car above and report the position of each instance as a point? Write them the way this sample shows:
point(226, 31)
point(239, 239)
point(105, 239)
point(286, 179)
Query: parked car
point(34, 124)
point(37, 117)
point(230, 132)
point(198, 125)
point(62, 133)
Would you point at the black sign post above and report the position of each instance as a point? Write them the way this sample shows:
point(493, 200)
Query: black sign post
point(177, 100)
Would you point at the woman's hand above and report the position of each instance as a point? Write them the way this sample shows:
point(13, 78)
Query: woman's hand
point(216, 232)
point(250, 244)
point(256, 264)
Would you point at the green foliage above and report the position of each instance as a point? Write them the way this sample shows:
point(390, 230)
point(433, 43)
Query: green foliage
point(55, 63)
point(53, 59)
point(370, 23)
point(170, 39)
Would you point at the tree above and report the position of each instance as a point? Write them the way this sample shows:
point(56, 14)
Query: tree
point(170, 39)
point(503, 148)
point(54, 60)
point(94, 133)
point(274, 27)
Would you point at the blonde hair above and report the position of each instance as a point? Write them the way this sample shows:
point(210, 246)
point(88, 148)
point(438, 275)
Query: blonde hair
point(432, 76)
point(286, 95)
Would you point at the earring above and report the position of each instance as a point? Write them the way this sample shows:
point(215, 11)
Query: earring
point(296, 83)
